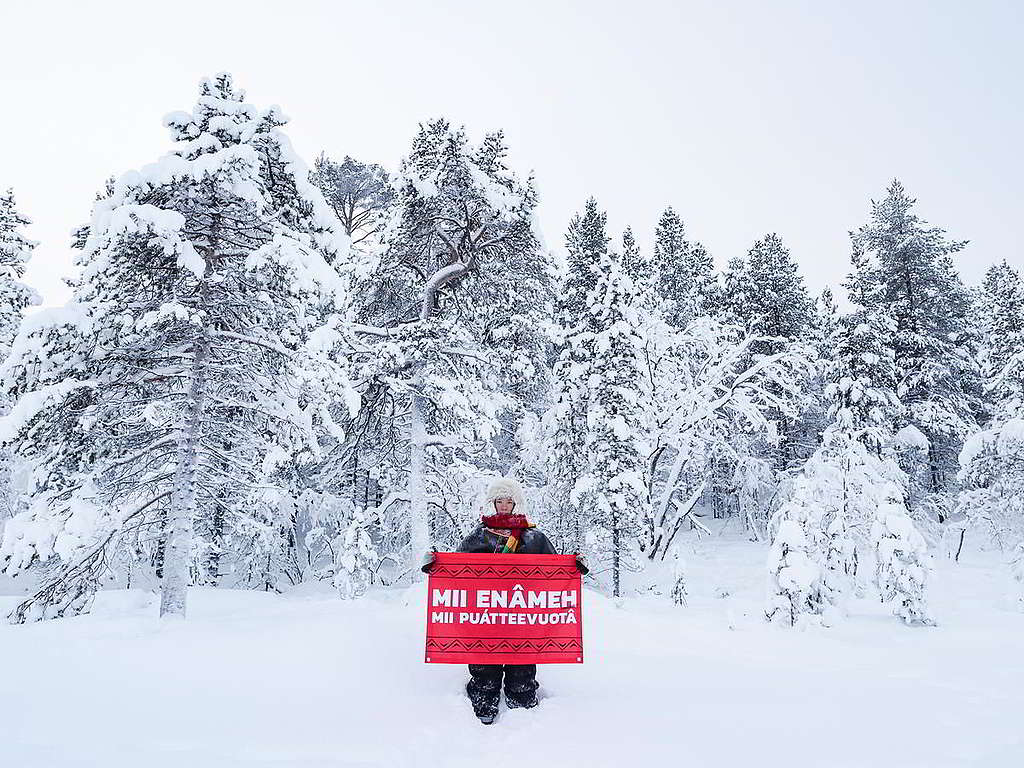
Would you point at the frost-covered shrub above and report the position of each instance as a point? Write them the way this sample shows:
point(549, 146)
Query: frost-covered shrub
point(992, 468)
point(910, 448)
point(796, 585)
point(902, 563)
point(678, 582)
point(356, 558)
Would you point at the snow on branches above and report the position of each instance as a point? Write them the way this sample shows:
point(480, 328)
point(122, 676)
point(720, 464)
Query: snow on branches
point(849, 501)
point(156, 409)
point(459, 275)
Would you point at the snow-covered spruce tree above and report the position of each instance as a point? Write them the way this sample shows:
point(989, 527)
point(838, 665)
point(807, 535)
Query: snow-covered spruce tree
point(15, 251)
point(776, 304)
point(777, 307)
point(586, 244)
point(849, 496)
point(732, 297)
point(903, 266)
point(636, 265)
point(1002, 336)
point(613, 485)
point(826, 318)
point(684, 277)
point(573, 330)
point(812, 564)
point(868, 410)
point(15, 296)
point(992, 459)
point(171, 386)
point(457, 291)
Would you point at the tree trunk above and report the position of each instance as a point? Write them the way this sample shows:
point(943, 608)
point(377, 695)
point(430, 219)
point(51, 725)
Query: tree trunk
point(664, 502)
point(419, 529)
point(616, 559)
point(419, 524)
point(174, 588)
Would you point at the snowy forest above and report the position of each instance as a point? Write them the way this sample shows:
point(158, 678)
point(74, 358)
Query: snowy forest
point(275, 372)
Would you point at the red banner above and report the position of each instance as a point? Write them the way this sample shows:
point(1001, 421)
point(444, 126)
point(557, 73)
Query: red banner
point(504, 609)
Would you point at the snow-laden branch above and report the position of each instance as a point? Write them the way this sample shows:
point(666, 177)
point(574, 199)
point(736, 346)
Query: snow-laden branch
point(255, 342)
point(31, 404)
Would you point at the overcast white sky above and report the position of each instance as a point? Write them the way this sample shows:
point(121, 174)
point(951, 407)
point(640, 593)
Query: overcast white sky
point(748, 118)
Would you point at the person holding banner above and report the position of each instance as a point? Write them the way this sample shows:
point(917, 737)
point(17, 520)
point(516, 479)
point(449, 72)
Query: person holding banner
point(503, 528)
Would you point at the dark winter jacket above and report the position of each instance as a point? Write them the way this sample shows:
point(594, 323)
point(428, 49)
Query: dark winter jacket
point(482, 540)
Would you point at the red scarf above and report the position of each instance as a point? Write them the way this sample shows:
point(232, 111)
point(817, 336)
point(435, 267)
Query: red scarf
point(508, 521)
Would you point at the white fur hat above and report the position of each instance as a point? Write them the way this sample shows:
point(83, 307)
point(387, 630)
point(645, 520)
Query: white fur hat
point(504, 488)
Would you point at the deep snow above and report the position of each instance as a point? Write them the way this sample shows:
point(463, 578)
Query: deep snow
point(304, 679)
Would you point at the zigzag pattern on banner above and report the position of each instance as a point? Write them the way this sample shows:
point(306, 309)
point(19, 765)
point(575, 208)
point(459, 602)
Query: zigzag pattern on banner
point(497, 644)
point(505, 572)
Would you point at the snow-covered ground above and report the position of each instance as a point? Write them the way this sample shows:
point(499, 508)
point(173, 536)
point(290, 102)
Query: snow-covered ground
point(259, 680)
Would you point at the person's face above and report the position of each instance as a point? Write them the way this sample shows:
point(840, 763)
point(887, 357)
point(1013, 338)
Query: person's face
point(504, 506)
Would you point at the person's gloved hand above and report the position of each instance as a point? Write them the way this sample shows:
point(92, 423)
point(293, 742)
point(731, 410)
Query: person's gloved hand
point(428, 561)
point(581, 565)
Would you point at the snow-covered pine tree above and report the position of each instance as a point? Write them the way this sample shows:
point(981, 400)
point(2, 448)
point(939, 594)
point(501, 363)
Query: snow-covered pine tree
point(684, 278)
point(910, 448)
point(586, 244)
point(565, 422)
point(835, 497)
point(731, 307)
point(514, 306)
point(358, 193)
point(613, 486)
point(15, 251)
point(15, 297)
point(635, 264)
point(173, 384)
point(456, 293)
point(802, 435)
point(826, 319)
point(863, 382)
point(776, 304)
point(903, 266)
point(777, 307)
